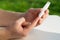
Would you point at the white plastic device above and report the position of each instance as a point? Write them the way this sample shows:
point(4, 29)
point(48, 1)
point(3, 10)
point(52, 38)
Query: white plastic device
point(44, 9)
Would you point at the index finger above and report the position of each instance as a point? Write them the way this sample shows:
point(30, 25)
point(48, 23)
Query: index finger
point(31, 26)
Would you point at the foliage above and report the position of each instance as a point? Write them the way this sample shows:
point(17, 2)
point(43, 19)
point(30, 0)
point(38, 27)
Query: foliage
point(23, 5)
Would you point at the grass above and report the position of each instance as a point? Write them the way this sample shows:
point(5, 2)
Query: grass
point(23, 5)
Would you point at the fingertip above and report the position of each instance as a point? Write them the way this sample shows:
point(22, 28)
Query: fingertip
point(47, 11)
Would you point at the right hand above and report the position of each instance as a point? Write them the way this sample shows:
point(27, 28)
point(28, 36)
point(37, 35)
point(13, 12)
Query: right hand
point(21, 28)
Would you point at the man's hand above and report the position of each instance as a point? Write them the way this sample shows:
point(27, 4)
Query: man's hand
point(24, 25)
point(18, 25)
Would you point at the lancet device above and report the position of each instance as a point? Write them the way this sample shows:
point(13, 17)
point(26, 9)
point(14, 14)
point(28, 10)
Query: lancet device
point(44, 9)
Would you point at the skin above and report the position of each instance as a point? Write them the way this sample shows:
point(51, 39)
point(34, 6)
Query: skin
point(18, 25)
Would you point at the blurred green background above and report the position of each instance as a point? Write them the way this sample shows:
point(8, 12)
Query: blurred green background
point(23, 5)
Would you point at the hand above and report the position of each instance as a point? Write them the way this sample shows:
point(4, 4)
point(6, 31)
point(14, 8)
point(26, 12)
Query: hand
point(22, 26)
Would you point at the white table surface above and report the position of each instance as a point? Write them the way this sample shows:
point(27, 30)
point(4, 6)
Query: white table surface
point(49, 30)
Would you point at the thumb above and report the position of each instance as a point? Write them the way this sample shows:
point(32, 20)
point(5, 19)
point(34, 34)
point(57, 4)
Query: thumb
point(20, 21)
point(18, 24)
point(16, 27)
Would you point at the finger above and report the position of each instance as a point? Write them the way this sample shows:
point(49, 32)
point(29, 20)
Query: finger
point(39, 22)
point(20, 21)
point(46, 13)
point(26, 24)
point(30, 27)
point(34, 23)
point(18, 24)
point(43, 17)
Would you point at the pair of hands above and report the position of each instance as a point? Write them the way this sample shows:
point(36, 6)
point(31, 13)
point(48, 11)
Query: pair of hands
point(26, 23)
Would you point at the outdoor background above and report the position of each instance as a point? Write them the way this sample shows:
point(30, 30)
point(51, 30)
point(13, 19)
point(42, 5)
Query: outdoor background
point(24, 5)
